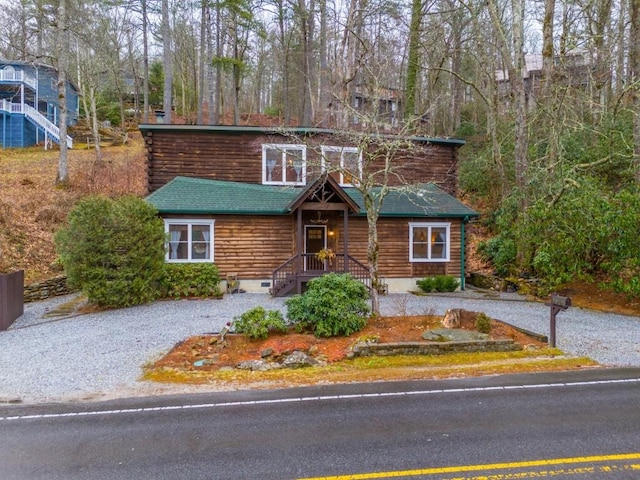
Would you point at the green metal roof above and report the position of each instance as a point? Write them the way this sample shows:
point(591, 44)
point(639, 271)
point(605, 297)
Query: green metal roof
point(199, 196)
point(184, 195)
point(150, 127)
point(420, 200)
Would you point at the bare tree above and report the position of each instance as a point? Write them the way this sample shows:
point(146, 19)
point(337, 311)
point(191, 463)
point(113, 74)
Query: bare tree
point(62, 54)
point(512, 55)
point(634, 64)
point(167, 62)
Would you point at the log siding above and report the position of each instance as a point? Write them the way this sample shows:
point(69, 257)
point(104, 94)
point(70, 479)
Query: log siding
point(237, 156)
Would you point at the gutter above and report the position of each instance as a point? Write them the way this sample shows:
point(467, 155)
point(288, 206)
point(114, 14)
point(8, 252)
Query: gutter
point(463, 247)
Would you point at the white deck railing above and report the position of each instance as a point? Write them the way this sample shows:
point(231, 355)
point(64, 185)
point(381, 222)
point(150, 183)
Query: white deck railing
point(37, 118)
point(17, 76)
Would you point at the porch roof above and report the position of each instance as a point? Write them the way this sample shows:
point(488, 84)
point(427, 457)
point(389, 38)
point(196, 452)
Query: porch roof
point(420, 200)
point(197, 196)
point(186, 195)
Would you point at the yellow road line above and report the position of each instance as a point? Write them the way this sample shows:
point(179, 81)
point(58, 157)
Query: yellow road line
point(476, 468)
point(564, 472)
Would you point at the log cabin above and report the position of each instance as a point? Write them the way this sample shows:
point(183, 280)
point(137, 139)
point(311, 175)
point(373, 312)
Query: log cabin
point(274, 208)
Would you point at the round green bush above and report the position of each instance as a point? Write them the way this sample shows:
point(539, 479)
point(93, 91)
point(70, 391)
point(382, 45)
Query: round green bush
point(257, 322)
point(333, 305)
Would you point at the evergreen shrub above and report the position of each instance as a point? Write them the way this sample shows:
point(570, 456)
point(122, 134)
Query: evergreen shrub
point(334, 305)
point(113, 250)
point(258, 322)
point(191, 280)
point(483, 323)
point(438, 283)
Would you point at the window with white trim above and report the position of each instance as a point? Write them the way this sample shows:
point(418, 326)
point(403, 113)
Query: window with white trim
point(284, 164)
point(346, 160)
point(189, 240)
point(429, 242)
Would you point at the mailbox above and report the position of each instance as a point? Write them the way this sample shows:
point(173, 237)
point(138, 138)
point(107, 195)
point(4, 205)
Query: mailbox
point(560, 301)
point(557, 304)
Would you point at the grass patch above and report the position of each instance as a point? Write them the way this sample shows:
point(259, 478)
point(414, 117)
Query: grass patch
point(389, 368)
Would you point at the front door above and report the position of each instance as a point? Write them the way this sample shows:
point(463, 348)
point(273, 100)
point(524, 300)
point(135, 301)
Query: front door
point(315, 239)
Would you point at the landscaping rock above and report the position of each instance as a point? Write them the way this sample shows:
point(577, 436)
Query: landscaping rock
point(257, 365)
point(299, 359)
point(453, 335)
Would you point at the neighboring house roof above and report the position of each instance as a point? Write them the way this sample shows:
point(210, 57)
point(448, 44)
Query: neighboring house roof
point(533, 63)
point(196, 196)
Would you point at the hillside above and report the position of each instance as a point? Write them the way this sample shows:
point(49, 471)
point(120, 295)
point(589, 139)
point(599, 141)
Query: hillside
point(32, 209)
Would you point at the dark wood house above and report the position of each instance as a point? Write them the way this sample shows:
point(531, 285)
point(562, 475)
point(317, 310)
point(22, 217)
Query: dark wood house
point(278, 207)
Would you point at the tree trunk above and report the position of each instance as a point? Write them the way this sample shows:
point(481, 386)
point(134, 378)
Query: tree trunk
point(145, 61)
point(634, 64)
point(513, 58)
point(62, 44)
point(413, 60)
point(167, 62)
point(373, 251)
point(323, 88)
point(216, 94)
point(95, 131)
point(621, 49)
point(547, 94)
point(204, 16)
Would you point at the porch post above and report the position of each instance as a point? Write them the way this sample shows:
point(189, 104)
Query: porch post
point(299, 252)
point(345, 241)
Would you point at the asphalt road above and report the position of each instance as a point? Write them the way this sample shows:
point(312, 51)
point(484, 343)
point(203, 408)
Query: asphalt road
point(578, 425)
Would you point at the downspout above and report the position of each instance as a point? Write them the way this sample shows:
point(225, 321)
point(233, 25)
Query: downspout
point(462, 250)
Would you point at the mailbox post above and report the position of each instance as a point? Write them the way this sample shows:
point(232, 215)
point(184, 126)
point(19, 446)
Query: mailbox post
point(557, 304)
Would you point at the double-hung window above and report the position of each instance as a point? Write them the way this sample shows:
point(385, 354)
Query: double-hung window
point(189, 240)
point(346, 160)
point(284, 164)
point(429, 242)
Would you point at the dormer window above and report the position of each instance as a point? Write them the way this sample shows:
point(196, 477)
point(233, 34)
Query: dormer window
point(284, 164)
point(347, 161)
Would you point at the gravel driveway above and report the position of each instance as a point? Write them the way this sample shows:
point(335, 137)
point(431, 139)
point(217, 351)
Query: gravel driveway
point(100, 355)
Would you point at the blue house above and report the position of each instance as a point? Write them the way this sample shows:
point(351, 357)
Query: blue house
point(29, 112)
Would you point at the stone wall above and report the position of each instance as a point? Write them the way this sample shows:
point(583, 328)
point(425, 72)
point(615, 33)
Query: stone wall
point(52, 287)
point(434, 348)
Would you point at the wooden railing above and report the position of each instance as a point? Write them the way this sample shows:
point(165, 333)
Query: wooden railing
point(306, 266)
point(285, 276)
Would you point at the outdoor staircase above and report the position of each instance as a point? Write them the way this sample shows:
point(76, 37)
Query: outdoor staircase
point(301, 268)
point(16, 77)
point(49, 128)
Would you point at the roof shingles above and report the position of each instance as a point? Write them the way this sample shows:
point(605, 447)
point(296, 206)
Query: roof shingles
point(197, 196)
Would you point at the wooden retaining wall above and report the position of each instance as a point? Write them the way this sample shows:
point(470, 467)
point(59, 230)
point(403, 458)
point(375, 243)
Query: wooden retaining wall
point(11, 302)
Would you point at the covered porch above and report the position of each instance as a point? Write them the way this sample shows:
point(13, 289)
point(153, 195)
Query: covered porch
point(322, 238)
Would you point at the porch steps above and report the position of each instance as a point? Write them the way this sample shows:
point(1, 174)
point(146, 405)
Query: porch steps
point(294, 272)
